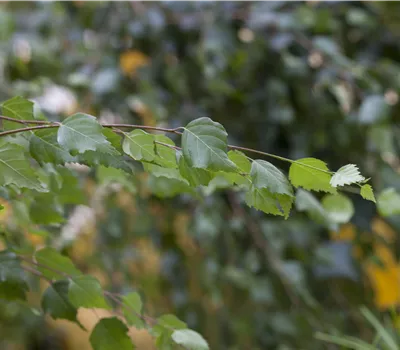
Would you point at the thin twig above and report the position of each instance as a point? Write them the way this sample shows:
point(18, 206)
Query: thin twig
point(144, 127)
point(31, 128)
point(19, 121)
point(169, 146)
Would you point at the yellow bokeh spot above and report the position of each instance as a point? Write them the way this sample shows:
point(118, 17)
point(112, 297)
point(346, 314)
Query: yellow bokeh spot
point(132, 60)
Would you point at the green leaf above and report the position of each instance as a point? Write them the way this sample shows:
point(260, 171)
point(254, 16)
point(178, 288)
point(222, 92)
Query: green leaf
point(195, 176)
point(12, 277)
point(1, 207)
point(311, 174)
point(346, 175)
point(13, 290)
point(241, 161)
point(164, 328)
point(165, 187)
point(17, 108)
point(190, 340)
point(111, 175)
point(53, 265)
point(275, 204)
point(86, 291)
point(171, 321)
point(45, 211)
point(165, 156)
point(132, 308)
point(110, 334)
point(339, 208)
point(55, 302)
point(81, 132)
point(139, 145)
point(388, 202)
point(367, 193)
point(305, 201)
point(266, 175)
point(15, 168)
point(204, 145)
point(70, 192)
point(93, 159)
point(44, 148)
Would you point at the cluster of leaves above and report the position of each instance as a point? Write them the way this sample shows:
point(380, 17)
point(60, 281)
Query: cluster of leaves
point(202, 158)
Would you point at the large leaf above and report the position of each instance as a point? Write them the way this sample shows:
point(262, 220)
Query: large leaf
point(367, 193)
point(266, 175)
point(241, 161)
point(55, 266)
point(339, 208)
point(81, 132)
point(204, 145)
point(311, 174)
point(139, 145)
point(189, 339)
point(44, 148)
point(15, 168)
point(55, 302)
point(110, 334)
point(17, 108)
point(262, 199)
point(111, 175)
point(132, 308)
point(388, 202)
point(346, 175)
point(86, 291)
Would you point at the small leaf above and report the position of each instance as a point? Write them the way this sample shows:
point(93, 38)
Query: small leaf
point(195, 176)
point(55, 302)
point(388, 202)
point(1, 207)
point(165, 156)
point(171, 321)
point(266, 175)
point(204, 145)
point(53, 213)
point(54, 265)
point(44, 148)
point(13, 290)
point(86, 291)
point(15, 168)
point(12, 277)
point(367, 193)
point(165, 187)
point(190, 340)
point(111, 175)
point(346, 175)
point(110, 334)
point(339, 208)
point(81, 132)
point(17, 108)
point(132, 308)
point(139, 145)
point(305, 201)
point(311, 174)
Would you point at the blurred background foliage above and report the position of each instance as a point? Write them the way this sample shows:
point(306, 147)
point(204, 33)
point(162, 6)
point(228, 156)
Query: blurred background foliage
point(295, 79)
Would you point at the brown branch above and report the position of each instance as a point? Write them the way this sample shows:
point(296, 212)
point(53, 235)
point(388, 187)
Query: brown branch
point(19, 121)
point(30, 128)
